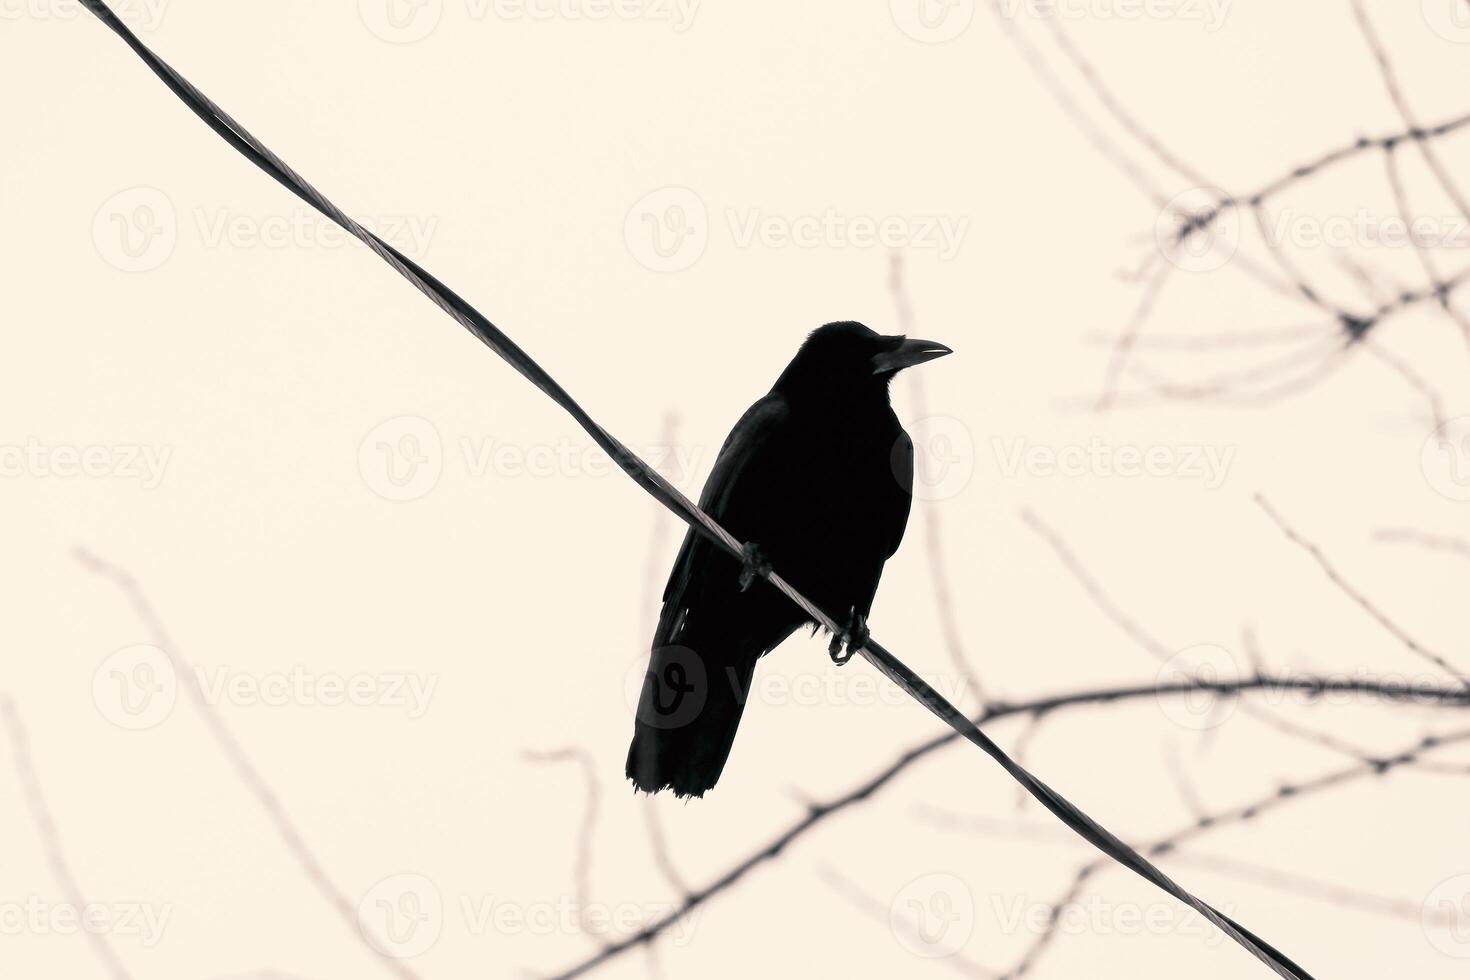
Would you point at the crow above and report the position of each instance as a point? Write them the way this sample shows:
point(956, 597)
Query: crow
point(816, 478)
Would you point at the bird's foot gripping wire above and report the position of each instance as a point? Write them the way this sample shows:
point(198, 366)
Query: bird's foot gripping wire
point(854, 637)
point(754, 565)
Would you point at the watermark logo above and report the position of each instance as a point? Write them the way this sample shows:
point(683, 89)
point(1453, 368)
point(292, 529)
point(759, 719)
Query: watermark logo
point(1210, 13)
point(933, 916)
point(668, 229)
point(299, 687)
point(679, 14)
point(1367, 229)
point(136, 687)
point(1445, 917)
point(943, 457)
point(1450, 19)
point(401, 21)
point(139, 15)
point(932, 21)
point(405, 458)
point(402, 916)
point(1207, 464)
point(1445, 459)
point(142, 921)
point(670, 689)
point(402, 458)
point(1195, 232)
point(136, 230)
point(145, 464)
point(940, 233)
point(408, 21)
point(304, 228)
point(1100, 917)
point(1198, 709)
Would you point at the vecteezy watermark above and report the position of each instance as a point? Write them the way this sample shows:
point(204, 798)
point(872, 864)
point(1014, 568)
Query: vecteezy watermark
point(1367, 229)
point(404, 915)
point(1098, 916)
point(304, 228)
point(407, 21)
point(668, 230)
point(138, 229)
point(932, 21)
point(670, 688)
point(1445, 458)
point(933, 916)
point(1445, 917)
point(1198, 230)
point(831, 229)
point(403, 459)
point(1450, 19)
point(299, 687)
point(1207, 464)
point(139, 15)
point(1196, 708)
point(124, 461)
point(137, 687)
point(33, 916)
point(943, 457)
point(1209, 13)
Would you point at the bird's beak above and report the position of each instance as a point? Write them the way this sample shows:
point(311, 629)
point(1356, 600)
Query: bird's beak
point(908, 354)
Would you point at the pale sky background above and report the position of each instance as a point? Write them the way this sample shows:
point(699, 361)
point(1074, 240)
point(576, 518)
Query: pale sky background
point(251, 392)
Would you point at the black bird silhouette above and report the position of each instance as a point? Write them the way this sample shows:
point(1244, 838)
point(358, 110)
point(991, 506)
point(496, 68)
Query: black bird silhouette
point(816, 478)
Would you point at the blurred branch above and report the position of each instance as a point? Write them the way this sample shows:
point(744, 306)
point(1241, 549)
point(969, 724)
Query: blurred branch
point(1424, 539)
point(934, 549)
point(244, 769)
point(1358, 597)
point(1280, 379)
point(1391, 692)
point(30, 783)
point(1332, 893)
point(881, 914)
point(1238, 814)
point(582, 868)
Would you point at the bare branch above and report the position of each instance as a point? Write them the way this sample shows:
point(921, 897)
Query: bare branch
point(817, 814)
point(1239, 814)
point(1358, 597)
point(30, 782)
point(243, 767)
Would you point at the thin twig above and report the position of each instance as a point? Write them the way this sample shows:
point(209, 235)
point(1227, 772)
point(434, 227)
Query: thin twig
point(818, 813)
point(1239, 814)
point(1362, 601)
point(1332, 893)
point(240, 762)
point(582, 868)
point(944, 604)
point(1434, 542)
point(51, 843)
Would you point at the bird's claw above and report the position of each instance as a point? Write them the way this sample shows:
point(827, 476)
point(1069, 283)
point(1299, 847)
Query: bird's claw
point(854, 638)
point(754, 565)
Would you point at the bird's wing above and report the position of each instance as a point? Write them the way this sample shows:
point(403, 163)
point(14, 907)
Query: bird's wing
point(731, 497)
point(903, 469)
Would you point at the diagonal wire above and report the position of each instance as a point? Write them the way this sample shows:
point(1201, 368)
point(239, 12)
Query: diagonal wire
point(646, 477)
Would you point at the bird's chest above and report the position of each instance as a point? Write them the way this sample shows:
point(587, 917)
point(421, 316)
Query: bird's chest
point(844, 493)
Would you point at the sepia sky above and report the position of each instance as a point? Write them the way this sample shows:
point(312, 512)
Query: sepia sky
point(397, 576)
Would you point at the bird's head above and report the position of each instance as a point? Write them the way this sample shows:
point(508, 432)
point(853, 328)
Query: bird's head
point(849, 359)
